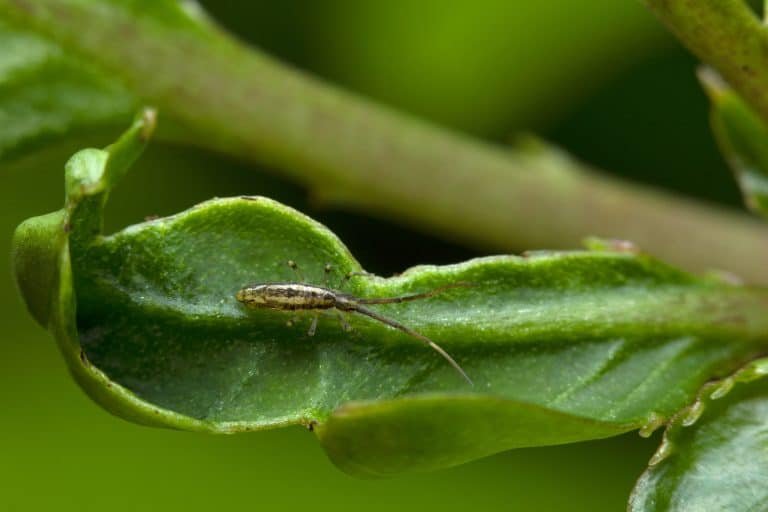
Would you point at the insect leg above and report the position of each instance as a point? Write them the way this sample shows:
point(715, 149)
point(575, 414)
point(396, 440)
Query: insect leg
point(295, 267)
point(313, 326)
point(343, 321)
point(397, 325)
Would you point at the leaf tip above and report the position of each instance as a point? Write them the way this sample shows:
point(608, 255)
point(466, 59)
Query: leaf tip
point(693, 413)
point(663, 452)
point(655, 420)
point(722, 388)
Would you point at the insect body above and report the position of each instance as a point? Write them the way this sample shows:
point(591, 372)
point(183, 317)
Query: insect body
point(290, 296)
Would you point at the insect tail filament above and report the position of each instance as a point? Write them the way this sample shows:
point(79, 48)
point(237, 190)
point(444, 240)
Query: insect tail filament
point(397, 325)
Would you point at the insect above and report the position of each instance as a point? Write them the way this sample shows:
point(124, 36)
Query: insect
point(294, 296)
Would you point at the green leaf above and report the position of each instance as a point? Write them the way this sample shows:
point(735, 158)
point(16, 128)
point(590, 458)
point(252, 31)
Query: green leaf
point(715, 454)
point(46, 93)
point(743, 139)
point(561, 346)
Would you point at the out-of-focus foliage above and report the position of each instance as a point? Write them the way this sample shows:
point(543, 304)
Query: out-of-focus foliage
point(46, 94)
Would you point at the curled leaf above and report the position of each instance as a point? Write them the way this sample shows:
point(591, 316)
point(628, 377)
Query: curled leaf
point(561, 346)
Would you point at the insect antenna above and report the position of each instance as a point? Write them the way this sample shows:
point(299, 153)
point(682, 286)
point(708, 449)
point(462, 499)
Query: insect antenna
point(416, 296)
point(397, 325)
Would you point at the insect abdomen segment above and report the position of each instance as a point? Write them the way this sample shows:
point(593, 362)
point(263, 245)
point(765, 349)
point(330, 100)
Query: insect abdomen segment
point(286, 297)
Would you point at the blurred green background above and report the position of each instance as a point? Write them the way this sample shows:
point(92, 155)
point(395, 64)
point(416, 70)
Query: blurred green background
point(600, 78)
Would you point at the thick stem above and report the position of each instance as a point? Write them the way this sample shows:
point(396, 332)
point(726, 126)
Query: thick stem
point(352, 152)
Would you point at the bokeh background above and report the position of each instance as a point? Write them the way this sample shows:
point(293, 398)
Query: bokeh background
point(600, 78)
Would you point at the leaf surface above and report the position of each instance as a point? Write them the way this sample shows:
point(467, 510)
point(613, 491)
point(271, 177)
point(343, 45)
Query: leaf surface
point(46, 93)
point(562, 346)
point(718, 461)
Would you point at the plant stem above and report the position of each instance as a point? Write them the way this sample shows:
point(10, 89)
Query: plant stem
point(354, 153)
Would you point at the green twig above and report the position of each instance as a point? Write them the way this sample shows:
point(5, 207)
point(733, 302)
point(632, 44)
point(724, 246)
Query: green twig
point(729, 36)
point(351, 152)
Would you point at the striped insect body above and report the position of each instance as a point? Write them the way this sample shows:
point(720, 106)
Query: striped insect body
point(287, 296)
